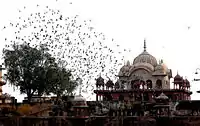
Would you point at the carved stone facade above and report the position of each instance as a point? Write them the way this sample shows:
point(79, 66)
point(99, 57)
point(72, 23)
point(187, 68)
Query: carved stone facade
point(143, 80)
point(145, 69)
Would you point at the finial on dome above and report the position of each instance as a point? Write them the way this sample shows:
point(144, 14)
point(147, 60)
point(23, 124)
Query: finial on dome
point(80, 86)
point(128, 63)
point(145, 45)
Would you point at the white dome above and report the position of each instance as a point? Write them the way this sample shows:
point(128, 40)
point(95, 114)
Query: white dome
point(145, 57)
point(159, 67)
point(143, 65)
point(162, 96)
point(124, 71)
point(79, 98)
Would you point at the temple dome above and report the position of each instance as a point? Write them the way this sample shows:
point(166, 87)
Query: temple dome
point(178, 77)
point(143, 65)
point(124, 71)
point(100, 81)
point(145, 57)
point(79, 101)
point(187, 83)
point(79, 98)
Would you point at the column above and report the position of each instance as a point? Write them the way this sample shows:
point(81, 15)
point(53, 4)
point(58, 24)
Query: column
point(150, 96)
point(96, 97)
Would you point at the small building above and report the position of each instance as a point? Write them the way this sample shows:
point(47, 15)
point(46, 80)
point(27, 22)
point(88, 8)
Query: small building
point(162, 106)
point(80, 107)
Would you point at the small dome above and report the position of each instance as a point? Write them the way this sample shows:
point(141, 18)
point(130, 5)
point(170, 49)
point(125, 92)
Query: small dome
point(178, 77)
point(159, 67)
point(79, 101)
point(160, 70)
point(124, 71)
point(79, 98)
point(187, 83)
point(100, 81)
point(109, 83)
point(145, 57)
point(162, 96)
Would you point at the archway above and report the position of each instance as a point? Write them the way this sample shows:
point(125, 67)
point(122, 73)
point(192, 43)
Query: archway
point(135, 84)
point(159, 84)
point(142, 84)
point(149, 84)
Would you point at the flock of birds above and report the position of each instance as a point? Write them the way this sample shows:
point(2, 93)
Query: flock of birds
point(73, 42)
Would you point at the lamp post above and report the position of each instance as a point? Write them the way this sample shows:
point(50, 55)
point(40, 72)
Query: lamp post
point(198, 78)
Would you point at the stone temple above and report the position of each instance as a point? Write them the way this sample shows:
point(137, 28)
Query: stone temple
point(143, 79)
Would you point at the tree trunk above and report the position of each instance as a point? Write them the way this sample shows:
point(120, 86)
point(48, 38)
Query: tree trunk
point(29, 98)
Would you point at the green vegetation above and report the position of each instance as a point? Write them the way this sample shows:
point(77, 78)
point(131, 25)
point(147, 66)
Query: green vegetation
point(34, 70)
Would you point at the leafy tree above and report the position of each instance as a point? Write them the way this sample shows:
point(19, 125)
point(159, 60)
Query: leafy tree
point(60, 80)
point(74, 43)
point(26, 68)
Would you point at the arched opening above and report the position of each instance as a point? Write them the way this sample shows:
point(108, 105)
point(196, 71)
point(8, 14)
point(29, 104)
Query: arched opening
point(159, 84)
point(121, 98)
point(149, 84)
point(123, 84)
point(142, 84)
point(135, 84)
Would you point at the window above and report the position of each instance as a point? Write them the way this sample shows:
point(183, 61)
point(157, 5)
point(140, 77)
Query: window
point(149, 84)
point(159, 84)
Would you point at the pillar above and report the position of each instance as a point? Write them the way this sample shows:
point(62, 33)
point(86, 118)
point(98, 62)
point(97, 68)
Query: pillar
point(96, 97)
point(150, 96)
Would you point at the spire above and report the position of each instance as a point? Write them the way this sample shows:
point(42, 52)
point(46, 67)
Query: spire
point(145, 45)
point(80, 86)
point(128, 63)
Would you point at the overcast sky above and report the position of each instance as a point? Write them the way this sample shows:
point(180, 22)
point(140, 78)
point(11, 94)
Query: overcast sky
point(171, 28)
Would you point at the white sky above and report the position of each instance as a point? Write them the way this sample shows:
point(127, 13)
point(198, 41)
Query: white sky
point(164, 24)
